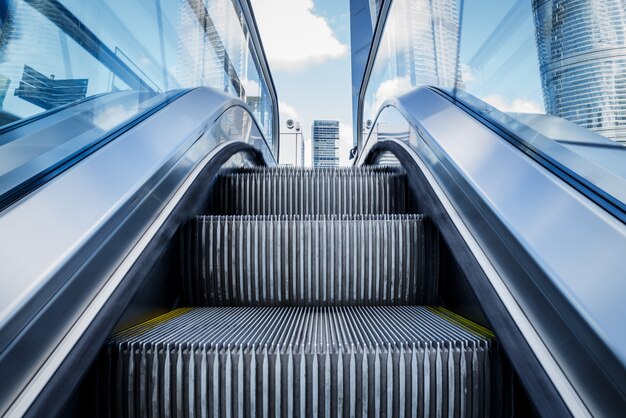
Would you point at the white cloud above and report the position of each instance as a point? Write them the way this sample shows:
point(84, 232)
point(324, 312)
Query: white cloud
point(288, 112)
point(393, 87)
point(113, 116)
point(467, 74)
point(294, 37)
point(386, 90)
point(252, 87)
point(516, 105)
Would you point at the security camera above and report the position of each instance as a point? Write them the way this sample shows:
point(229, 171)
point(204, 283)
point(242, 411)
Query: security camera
point(368, 124)
point(290, 124)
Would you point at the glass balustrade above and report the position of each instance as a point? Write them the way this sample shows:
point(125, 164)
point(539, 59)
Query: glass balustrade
point(57, 52)
point(90, 67)
point(550, 73)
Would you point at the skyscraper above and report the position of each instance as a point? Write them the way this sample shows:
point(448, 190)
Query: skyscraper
point(325, 137)
point(429, 29)
point(361, 34)
point(33, 78)
point(582, 57)
point(214, 50)
point(201, 51)
point(420, 47)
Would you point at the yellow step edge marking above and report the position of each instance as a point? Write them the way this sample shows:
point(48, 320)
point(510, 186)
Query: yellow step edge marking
point(462, 321)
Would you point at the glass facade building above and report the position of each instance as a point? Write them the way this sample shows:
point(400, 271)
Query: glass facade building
point(362, 24)
point(419, 47)
point(325, 137)
point(582, 56)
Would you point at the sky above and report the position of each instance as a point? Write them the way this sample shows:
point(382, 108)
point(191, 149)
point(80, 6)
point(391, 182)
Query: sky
point(307, 44)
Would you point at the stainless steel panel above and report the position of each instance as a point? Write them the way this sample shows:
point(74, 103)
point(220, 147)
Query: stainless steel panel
point(294, 191)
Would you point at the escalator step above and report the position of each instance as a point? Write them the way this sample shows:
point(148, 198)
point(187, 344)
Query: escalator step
point(310, 261)
point(330, 361)
point(305, 191)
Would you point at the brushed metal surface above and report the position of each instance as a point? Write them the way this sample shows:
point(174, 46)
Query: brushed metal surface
point(95, 213)
point(306, 191)
point(310, 260)
point(323, 362)
point(555, 254)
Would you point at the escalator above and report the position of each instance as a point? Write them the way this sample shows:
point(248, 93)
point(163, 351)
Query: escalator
point(311, 293)
point(206, 280)
point(157, 261)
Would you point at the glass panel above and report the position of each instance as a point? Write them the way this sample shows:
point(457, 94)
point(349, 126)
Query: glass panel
point(552, 72)
point(53, 53)
point(419, 47)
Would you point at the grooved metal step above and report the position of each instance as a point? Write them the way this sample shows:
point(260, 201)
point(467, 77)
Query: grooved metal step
point(333, 361)
point(305, 191)
point(310, 261)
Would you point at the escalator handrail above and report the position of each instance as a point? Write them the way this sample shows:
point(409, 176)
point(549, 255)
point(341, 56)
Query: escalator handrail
point(78, 227)
point(38, 178)
point(583, 316)
point(594, 190)
point(15, 192)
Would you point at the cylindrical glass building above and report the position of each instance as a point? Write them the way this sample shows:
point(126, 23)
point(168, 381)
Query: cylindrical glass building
point(582, 55)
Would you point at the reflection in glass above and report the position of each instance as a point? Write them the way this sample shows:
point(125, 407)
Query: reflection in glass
point(73, 71)
point(551, 73)
point(57, 52)
point(419, 47)
point(564, 58)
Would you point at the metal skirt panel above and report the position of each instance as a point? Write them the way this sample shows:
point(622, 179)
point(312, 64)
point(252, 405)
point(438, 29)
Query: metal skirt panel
point(310, 260)
point(302, 191)
point(322, 362)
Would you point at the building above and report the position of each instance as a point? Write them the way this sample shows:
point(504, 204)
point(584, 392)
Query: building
point(32, 37)
point(582, 56)
point(202, 55)
point(325, 137)
point(213, 51)
point(47, 92)
point(426, 34)
point(420, 47)
point(291, 144)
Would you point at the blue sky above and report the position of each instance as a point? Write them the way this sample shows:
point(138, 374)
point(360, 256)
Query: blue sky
point(313, 82)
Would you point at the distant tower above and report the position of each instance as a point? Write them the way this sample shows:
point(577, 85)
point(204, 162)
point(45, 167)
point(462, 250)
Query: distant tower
point(582, 57)
point(431, 31)
point(427, 35)
point(291, 144)
point(325, 137)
